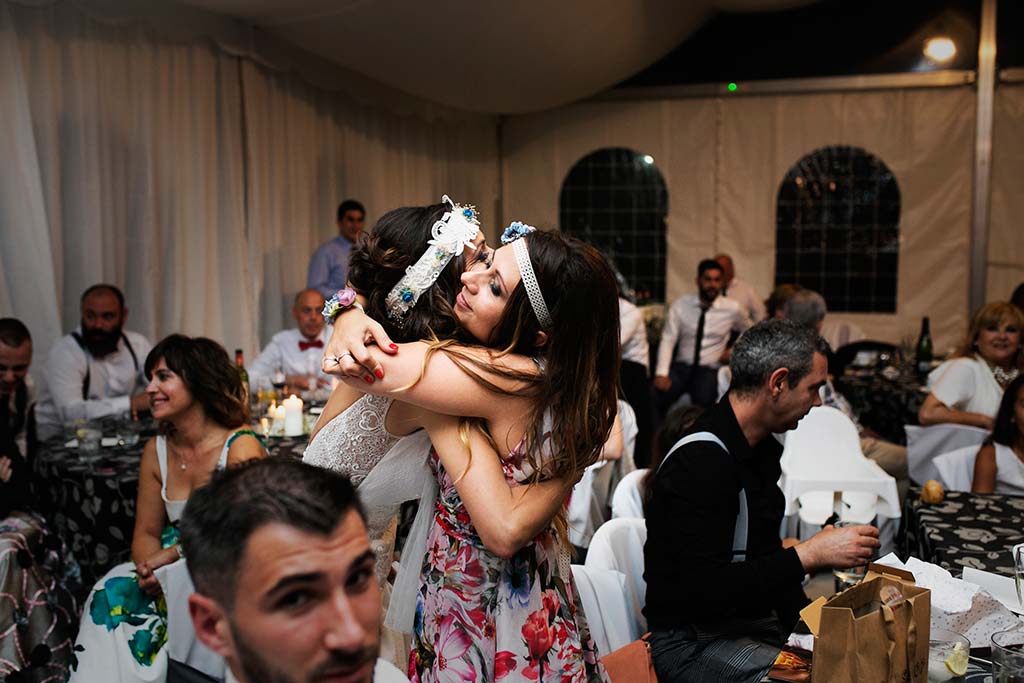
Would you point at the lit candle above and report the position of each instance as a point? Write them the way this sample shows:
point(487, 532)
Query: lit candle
point(293, 416)
point(265, 426)
point(277, 417)
point(271, 408)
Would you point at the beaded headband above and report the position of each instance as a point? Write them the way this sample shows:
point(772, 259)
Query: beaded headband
point(540, 308)
point(455, 231)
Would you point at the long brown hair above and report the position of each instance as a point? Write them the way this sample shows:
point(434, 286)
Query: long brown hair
point(208, 373)
point(574, 397)
point(990, 316)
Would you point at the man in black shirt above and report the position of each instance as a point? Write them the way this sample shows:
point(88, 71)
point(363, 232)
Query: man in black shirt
point(722, 592)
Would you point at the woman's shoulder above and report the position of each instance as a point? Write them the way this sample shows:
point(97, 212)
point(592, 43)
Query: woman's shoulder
point(243, 444)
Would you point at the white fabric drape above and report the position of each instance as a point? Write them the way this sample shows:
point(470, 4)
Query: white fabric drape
point(724, 158)
point(1006, 219)
point(307, 147)
point(198, 181)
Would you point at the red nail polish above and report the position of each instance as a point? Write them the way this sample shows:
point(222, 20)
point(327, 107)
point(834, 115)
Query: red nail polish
point(379, 373)
point(368, 380)
point(394, 347)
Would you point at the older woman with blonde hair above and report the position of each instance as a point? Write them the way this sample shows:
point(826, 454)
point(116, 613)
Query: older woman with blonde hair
point(968, 388)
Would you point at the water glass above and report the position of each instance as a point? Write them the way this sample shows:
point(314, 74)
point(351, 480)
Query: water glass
point(850, 576)
point(1008, 656)
point(128, 430)
point(948, 655)
point(89, 443)
point(1018, 571)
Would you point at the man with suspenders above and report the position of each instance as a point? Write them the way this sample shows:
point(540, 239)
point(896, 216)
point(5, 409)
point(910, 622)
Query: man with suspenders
point(95, 370)
point(722, 592)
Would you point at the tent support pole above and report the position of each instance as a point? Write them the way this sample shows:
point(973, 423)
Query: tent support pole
point(982, 194)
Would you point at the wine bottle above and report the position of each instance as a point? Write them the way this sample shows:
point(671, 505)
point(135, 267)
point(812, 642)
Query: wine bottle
point(923, 357)
point(242, 372)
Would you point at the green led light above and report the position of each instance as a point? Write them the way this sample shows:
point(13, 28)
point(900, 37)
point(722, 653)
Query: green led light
point(732, 87)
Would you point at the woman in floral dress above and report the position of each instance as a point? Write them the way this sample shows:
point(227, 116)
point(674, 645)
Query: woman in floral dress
point(496, 600)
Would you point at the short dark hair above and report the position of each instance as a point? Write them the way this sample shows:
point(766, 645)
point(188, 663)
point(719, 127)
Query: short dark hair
point(1006, 429)
point(221, 516)
point(709, 264)
point(13, 332)
point(350, 205)
point(768, 346)
point(104, 286)
point(1017, 298)
point(209, 374)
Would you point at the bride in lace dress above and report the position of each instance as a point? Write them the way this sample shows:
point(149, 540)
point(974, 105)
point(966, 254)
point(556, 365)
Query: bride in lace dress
point(496, 598)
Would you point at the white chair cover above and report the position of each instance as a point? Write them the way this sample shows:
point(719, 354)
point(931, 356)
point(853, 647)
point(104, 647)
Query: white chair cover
point(589, 506)
point(587, 503)
point(822, 456)
point(627, 501)
point(182, 644)
point(619, 545)
point(925, 443)
point(956, 468)
point(629, 431)
point(603, 594)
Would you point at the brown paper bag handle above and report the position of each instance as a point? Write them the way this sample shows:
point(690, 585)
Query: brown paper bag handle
point(889, 618)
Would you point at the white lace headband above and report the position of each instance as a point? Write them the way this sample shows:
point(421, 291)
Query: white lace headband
point(455, 231)
point(540, 308)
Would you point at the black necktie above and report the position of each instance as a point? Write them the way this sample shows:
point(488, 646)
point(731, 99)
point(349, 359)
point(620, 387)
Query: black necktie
point(700, 336)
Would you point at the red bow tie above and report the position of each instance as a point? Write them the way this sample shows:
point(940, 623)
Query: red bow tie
point(303, 345)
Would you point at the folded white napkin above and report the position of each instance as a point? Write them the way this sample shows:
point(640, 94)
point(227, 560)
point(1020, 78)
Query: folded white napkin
point(1002, 588)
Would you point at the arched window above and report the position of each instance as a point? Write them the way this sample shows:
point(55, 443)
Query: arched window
point(616, 199)
point(837, 229)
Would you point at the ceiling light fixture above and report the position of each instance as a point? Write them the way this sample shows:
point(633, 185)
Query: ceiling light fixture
point(941, 49)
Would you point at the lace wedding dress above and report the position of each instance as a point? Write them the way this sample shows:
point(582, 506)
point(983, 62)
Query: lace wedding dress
point(387, 470)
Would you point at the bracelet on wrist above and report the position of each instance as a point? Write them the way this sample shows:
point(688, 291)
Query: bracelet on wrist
point(342, 300)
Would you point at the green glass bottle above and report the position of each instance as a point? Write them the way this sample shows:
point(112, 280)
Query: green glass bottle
point(923, 356)
point(242, 372)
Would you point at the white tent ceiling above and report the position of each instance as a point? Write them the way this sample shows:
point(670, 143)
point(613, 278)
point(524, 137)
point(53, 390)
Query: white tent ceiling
point(494, 57)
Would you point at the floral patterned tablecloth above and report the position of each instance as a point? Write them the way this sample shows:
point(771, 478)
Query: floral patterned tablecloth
point(965, 530)
point(92, 504)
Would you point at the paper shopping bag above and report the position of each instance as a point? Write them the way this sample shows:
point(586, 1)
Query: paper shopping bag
point(860, 639)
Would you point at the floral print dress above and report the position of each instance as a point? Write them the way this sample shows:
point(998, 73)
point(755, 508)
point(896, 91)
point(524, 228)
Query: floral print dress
point(483, 618)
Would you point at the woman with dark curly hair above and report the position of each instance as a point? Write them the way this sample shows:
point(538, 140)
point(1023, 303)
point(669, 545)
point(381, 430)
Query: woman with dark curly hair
point(196, 394)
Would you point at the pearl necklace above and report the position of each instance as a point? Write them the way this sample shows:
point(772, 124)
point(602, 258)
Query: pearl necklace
point(1003, 376)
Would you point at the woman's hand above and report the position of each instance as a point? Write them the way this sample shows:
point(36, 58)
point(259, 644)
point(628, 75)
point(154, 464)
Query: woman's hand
point(346, 354)
point(146, 570)
point(5, 469)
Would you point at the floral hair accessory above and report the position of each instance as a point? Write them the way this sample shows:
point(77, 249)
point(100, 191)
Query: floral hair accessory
point(454, 232)
point(515, 230)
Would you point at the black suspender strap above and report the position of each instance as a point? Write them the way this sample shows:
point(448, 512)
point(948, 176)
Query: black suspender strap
point(88, 358)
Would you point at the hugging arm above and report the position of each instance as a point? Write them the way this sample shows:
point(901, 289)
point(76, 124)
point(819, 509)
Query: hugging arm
point(506, 517)
point(442, 386)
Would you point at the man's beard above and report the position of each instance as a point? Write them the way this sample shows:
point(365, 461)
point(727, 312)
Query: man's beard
point(100, 344)
point(257, 670)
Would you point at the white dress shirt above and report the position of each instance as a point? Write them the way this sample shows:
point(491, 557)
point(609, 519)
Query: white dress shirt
point(966, 384)
point(633, 334)
point(743, 292)
point(113, 380)
point(680, 332)
point(283, 353)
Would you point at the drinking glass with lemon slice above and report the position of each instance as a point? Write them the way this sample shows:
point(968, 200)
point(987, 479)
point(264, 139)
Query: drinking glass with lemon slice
point(948, 653)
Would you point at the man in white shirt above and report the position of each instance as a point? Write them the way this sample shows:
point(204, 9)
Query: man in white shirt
point(297, 352)
point(697, 330)
point(97, 370)
point(284, 576)
point(740, 290)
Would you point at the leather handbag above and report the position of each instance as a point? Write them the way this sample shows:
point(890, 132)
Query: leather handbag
point(631, 663)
